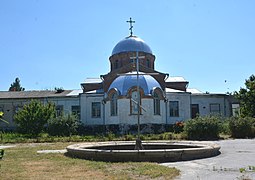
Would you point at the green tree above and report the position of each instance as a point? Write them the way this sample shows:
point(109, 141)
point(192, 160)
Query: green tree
point(59, 89)
point(32, 118)
point(16, 86)
point(64, 125)
point(246, 96)
point(242, 127)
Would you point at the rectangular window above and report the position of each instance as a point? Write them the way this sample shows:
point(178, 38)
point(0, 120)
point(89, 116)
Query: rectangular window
point(96, 110)
point(174, 108)
point(76, 111)
point(215, 108)
point(59, 110)
point(235, 110)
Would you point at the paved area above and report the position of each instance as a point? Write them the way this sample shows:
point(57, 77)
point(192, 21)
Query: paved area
point(236, 155)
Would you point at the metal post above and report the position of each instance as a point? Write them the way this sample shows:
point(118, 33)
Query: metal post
point(138, 144)
point(138, 95)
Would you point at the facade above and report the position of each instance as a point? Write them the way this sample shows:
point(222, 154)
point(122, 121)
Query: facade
point(113, 98)
point(132, 87)
point(12, 101)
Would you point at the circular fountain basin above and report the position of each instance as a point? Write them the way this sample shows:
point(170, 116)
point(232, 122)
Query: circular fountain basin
point(154, 151)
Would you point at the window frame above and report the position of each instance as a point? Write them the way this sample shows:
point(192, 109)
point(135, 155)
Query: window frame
point(235, 109)
point(133, 105)
point(156, 103)
point(114, 104)
point(96, 109)
point(212, 111)
point(59, 110)
point(116, 64)
point(148, 63)
point(76, 110)
point(174, 109)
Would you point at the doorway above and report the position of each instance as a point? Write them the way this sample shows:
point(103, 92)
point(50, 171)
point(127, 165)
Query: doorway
point(194, 110)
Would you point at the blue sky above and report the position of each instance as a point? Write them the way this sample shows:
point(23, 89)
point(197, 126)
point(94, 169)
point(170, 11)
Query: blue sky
point(59, 43)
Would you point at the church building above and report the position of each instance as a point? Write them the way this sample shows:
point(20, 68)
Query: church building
point(113, 98)
point(133, 90)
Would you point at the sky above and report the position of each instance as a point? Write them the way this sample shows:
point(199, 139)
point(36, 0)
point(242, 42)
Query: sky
point(60, 43)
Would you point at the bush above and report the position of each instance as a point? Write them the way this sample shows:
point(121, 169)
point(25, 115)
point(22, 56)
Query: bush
point(129, 137)
point(242, 127)
point(110, 136)
point(64, 125)
point(167, 136)
point(178, 127)
point(32, 118)
point(202, 128)
point(224, 127)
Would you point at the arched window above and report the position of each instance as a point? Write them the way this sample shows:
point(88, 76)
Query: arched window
point(116, 64)
point(156, 103)
point(114, 105)
point(148, 63)
point(134, 99)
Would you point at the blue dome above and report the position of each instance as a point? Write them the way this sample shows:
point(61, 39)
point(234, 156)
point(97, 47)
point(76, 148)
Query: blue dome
point(133, 44)
point(124, 83)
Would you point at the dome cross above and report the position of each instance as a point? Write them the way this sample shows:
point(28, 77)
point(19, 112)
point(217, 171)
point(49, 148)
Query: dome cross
point(131, 26)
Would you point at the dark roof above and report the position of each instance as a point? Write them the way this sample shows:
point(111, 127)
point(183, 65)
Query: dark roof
point(33, 94)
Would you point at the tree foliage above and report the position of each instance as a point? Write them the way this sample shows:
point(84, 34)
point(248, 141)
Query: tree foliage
point(242, 127)
point(203, 128)
point(64, 125)
point(59, 89)
point(16, 86)
point(246, 96)
point(32, 118)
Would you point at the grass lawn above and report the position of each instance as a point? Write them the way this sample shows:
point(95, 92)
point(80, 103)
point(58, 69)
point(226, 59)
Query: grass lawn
point(23, 162)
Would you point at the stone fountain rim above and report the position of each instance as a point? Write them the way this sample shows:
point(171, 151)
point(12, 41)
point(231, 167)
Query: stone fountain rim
point(198, 145)
point(197, 150)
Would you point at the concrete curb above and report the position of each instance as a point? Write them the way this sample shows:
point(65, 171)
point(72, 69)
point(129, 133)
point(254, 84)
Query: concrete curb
point(62, 151)
point(157, 151)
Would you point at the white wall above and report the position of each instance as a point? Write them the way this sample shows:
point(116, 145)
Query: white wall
point(184, 106)
point(124, 116)
point(205, 100)
point(86, 109)
point(66, 102)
